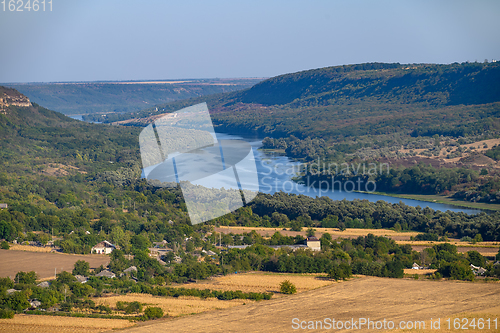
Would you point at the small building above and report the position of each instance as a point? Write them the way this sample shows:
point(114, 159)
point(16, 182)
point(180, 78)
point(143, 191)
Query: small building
point(81, 278)
point(4, 206)
point(106, 273)
point(44, 284)
point(416, 266)
point(241, 247)
point(158, 252)
point(477, 270)
point(313, 243)
point(130, 269)
point(11, 291)
point(103, 247)
point(163, 243)
point(34, 303)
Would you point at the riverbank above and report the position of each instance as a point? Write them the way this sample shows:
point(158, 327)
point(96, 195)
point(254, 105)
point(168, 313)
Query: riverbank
point(443, 200)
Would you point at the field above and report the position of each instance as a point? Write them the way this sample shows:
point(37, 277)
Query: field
point(335, 232)
point(30, 248)
point(49, 324)
point(44, 264)
point(489, 249)
point(369, 297)
point(173, 306)
point(262, 282)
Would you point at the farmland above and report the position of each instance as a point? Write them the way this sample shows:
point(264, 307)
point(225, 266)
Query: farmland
point(368, 297)
point(334, 232)
point(173, 306)
point(43, 264)
point(489, 249)
point(262, 282)
point(49, 324)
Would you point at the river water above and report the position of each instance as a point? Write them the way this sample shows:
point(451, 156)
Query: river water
point(275, 174)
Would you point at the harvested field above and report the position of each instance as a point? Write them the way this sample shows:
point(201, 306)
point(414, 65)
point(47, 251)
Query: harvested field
point(419, 271)
point(334, 232)
point(50, 324)
point(261, 282)
point(369, 297)
point(173, 306)
point(44, 264)
point(486, 251)
point(30, 248)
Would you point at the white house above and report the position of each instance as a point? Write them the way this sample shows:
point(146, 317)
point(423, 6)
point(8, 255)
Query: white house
point(313, 243)
point(104, 247)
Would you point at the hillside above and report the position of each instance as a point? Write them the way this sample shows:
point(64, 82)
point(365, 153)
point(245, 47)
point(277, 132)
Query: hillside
point(354, 100)
point(445, 116)
point(81, 98)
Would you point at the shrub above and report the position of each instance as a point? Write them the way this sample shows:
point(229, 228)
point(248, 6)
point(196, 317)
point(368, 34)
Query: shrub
point(153, 313)
point(133, 307)
point(286, 287)
point(6, 314)
point(4, 245)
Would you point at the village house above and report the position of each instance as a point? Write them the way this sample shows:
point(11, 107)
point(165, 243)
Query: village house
point(103, 247)
point(81, 278)
point(106, 273)
point(4, 206)
point(313, 243)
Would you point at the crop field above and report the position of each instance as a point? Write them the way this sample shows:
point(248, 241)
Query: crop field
point(173, 306)
point(368, 297)
point(30, 248)
point(410, 271)
point(49, 324)
point(262, 282)
point(334, 232)
point(44, 264)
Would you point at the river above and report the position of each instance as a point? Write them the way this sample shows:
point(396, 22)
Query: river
point(274, 171)
point(275, 175)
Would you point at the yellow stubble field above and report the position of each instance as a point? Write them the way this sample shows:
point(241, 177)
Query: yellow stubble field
point(373, 298)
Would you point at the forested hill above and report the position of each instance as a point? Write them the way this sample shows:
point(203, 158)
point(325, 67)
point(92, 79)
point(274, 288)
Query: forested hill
point(34, 138)
point(355, 100)
point(16, 110)
point(471, 83)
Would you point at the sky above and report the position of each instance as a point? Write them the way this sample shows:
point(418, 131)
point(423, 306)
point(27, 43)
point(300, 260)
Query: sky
point(94, 40)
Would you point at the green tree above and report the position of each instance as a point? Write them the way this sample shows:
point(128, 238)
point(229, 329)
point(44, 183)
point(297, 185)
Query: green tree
point(133, 307)
point(65, 278)
point(287, 287)
point(81, 268)
point(476, 258)
point(310, 232)
point(26, 277)
point(153, 312)
point(140, 242)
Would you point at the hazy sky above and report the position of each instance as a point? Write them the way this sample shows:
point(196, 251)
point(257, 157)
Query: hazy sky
point(85, 40)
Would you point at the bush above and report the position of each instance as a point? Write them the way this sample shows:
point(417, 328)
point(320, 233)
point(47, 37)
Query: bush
point(6, 314)
point(133, 307)
point(4, 245)
point(286, 287)
point(153, 313)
